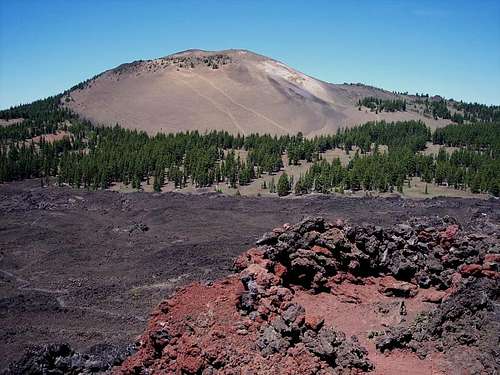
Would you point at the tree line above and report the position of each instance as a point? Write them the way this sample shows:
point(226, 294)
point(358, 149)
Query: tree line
point(463, 112)
point(380, 105)
point(475, 165)
point(94, 157)
point(475, 112)
point(388, 172)
point(479, 136)
point(43, 116)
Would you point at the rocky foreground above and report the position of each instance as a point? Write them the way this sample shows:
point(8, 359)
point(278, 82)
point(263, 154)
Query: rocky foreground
point(327, 298)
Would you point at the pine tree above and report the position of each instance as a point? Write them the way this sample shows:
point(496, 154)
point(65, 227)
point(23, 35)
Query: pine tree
point(400, 187)
point(156, 183)
point(283, 185)
point(476, 184)
point(298, 187)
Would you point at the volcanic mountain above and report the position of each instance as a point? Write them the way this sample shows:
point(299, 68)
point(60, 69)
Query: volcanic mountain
point(233, 90)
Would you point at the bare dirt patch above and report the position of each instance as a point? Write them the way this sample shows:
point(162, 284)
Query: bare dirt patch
point(13, 121)
point(432, 149)
point(50, 138)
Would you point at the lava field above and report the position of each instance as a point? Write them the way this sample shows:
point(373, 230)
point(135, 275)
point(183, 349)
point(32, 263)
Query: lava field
point(380, 286)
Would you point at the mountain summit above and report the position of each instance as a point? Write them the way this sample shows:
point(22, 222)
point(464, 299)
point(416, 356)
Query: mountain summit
point(234, 90)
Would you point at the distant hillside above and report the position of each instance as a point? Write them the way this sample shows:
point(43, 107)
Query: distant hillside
point(237, 91)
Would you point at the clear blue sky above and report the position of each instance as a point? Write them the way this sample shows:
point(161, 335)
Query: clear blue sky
point(443, 47)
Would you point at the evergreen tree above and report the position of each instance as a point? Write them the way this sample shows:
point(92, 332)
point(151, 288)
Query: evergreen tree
point(96, 156)
point(283, 185)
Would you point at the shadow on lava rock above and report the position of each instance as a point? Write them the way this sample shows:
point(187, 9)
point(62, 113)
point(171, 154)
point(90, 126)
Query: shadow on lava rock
point(319, 298)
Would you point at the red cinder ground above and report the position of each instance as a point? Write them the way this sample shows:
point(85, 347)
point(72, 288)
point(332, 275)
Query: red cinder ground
point(360, 309)
point(201, 330)
point(205, 325)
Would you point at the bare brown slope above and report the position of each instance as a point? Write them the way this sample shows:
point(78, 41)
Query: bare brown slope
point(233, 90)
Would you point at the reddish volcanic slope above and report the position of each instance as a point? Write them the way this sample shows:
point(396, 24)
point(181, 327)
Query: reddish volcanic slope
point(323, 298)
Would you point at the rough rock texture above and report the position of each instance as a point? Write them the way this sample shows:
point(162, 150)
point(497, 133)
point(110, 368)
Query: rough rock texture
point(62, 359)
point(465, 326)
point(254, 322)
point(70, 270)
point(426, 252)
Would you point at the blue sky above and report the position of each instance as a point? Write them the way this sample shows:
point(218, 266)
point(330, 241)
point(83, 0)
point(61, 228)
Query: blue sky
point(451, 48)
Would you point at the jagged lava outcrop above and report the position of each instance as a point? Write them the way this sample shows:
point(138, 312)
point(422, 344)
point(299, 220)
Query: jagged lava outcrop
point(331, 298)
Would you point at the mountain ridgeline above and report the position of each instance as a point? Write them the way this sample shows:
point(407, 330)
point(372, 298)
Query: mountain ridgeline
point(87, 155)
point(240, 92)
